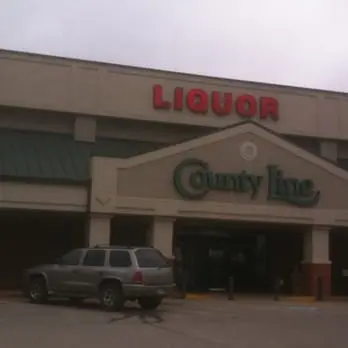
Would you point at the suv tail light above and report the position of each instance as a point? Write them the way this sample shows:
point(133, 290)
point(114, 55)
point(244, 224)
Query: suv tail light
point(138, 277)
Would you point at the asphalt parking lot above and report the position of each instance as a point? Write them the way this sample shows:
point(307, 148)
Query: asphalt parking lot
point(178, 323)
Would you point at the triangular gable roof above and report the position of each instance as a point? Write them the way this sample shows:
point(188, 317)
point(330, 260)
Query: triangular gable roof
point(237, 129)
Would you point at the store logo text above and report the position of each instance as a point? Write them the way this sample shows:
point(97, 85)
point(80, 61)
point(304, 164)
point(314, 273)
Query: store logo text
point(193, 179)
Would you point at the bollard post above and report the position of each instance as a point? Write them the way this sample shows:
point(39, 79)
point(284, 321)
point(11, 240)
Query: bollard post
point(230, 288)
point(319, 289)
point(277, 285)
point(184, 283)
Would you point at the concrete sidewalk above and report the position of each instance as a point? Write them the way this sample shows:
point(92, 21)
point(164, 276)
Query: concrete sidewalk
point(8, 295)
point(252, 297)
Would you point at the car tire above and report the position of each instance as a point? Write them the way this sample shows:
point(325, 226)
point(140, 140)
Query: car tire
point(111, 296)
point(150, 303)
point(37, 290)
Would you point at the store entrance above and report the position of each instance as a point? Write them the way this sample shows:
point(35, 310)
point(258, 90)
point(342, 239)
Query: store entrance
point(254, 255)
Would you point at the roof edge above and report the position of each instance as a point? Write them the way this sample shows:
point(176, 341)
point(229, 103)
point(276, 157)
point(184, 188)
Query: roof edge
point(171, 72)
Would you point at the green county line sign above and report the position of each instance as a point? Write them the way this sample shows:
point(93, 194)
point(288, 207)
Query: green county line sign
point(193, 179)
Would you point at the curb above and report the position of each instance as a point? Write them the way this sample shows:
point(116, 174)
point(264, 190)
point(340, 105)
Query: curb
point(241, 298)
point(212, 296)
point(10, 294)
point(301, 299)
point(199, 297)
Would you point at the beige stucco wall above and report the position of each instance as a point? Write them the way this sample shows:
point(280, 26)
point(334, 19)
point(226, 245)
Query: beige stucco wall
point(16, 195)
point(153, 132)
point(107, 90)
point(144, 185)
point(35, 120)
point(88, 128)
point(223, 156)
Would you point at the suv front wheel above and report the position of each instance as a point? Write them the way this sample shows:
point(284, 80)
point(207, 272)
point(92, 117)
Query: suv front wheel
point(111, 296)
point(37, 290)
point(149, 302)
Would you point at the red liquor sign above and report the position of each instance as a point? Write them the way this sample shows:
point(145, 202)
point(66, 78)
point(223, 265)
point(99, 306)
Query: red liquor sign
point(222, 104)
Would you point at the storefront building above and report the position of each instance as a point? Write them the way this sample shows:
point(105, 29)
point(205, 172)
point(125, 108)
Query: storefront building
point(224, 177)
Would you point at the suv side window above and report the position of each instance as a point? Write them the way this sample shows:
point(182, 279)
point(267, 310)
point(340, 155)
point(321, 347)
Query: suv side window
point(120, 258)
point(148, 258)
point(94, 258)
point(72, 258)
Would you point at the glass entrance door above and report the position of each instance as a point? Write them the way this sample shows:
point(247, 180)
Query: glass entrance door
point(205, 261)
point(254, 256)
point(218, 269)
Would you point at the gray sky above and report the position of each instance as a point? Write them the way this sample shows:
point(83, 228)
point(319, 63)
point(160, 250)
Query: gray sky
point(298, 42)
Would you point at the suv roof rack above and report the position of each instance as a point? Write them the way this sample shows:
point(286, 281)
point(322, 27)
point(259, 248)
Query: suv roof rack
point(101, 245)
point(106, 245)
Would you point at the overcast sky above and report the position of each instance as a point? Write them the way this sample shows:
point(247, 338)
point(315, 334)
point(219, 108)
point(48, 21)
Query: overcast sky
point(298, 42)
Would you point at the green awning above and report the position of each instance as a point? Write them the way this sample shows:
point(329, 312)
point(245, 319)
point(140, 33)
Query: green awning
point(50, 156)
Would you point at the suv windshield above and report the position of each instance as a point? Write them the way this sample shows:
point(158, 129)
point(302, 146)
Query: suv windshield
point(148, 258)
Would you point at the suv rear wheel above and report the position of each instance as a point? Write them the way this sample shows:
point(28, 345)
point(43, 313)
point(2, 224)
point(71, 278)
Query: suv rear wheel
point(149, 302)
point(37, 290)
point(111, 296)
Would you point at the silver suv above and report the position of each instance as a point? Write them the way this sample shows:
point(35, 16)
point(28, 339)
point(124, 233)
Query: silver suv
point(111, 274)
